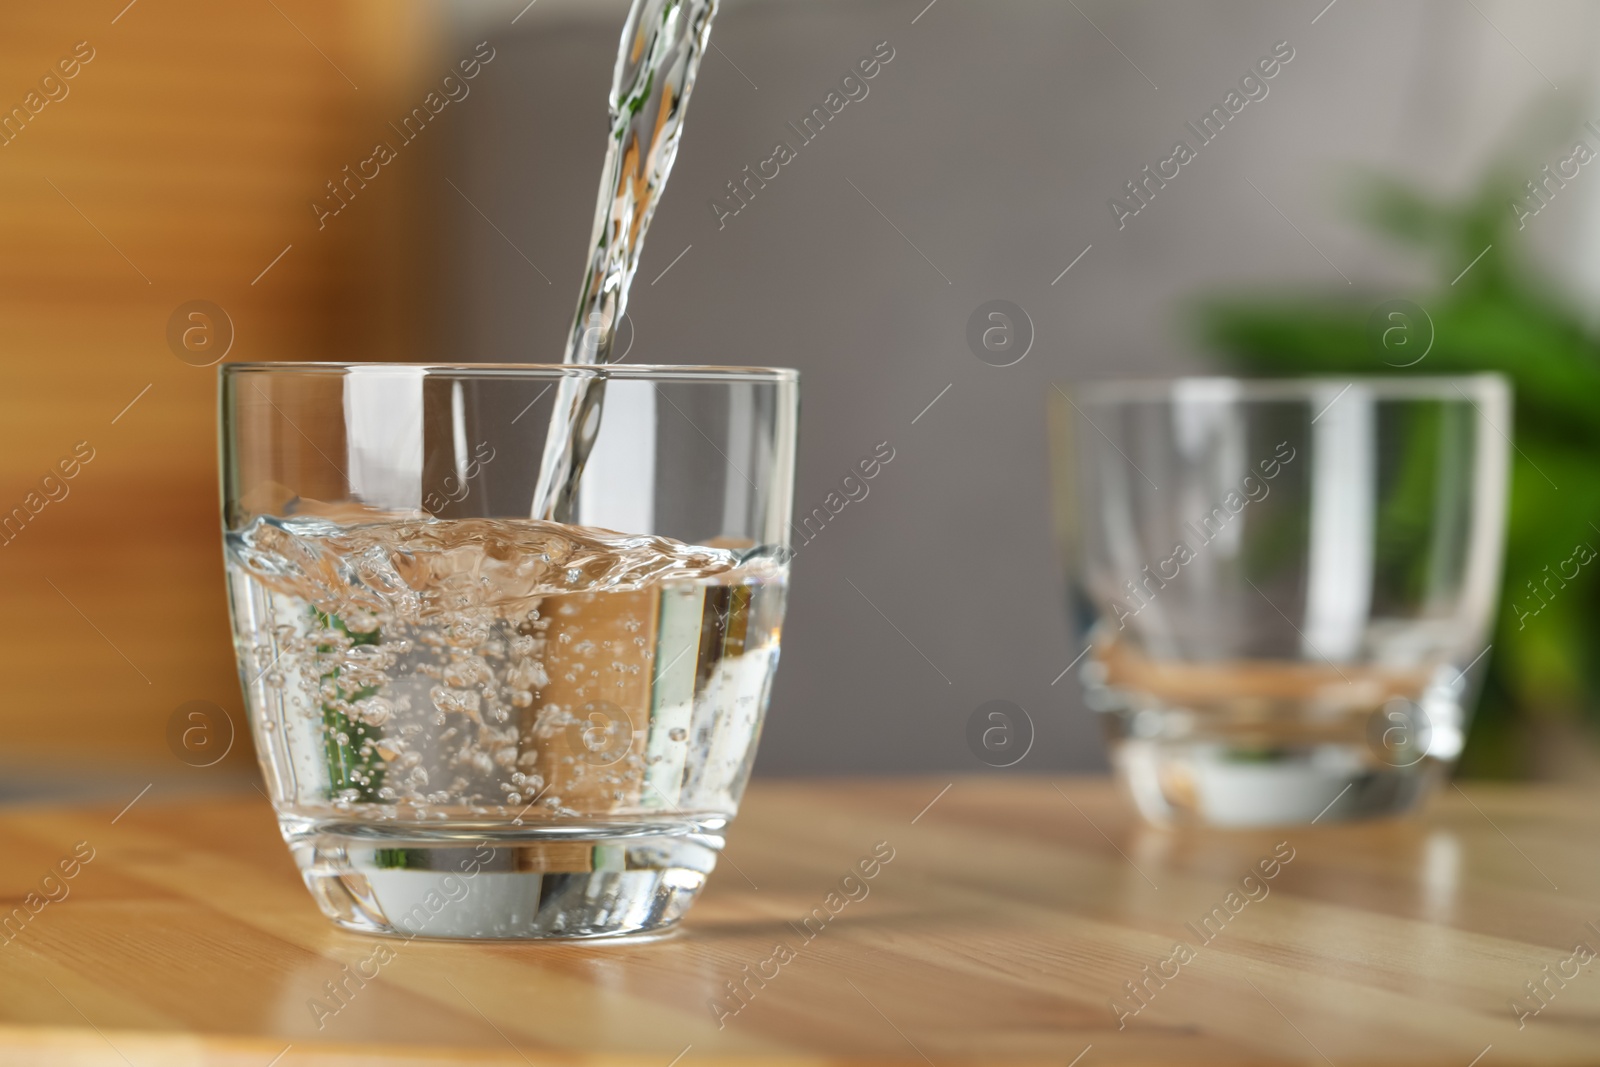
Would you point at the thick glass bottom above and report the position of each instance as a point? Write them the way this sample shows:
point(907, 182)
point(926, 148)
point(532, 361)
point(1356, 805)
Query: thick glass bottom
point(493, 883)
point(1214, 784)
point(1242, 743)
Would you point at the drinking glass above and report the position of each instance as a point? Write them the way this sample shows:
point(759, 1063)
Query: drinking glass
point(1285, 585)
point(475, 723)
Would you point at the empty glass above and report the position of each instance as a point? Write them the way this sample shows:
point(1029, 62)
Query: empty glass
point(1286, 585)
point(474, 722)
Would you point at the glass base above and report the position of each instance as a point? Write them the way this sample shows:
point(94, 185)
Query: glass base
point(494, 884)
point(1215, 784)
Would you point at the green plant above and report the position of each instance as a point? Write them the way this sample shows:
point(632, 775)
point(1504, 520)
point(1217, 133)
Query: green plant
point(352, 762)
point(1499, 315)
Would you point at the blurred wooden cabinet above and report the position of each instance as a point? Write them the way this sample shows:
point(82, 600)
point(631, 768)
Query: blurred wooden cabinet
point(179, 163)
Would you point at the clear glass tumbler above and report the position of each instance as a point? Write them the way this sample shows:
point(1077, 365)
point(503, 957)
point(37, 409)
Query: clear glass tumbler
point(475, 723)
point(1286, 586)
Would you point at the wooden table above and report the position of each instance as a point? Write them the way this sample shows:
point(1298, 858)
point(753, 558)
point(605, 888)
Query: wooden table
point(1011, 915)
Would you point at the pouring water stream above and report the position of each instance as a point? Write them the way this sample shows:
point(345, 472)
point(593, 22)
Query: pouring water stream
point(662, 44)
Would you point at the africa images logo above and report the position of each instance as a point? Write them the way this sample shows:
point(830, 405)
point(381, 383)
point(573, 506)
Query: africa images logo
point(1252, 87)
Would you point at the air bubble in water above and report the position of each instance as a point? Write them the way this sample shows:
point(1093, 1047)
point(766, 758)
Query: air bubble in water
point(460, 701)
point(374, 711)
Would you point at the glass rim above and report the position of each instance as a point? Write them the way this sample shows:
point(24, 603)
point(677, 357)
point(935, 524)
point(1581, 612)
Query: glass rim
point(1222, 388)
point(682, 372)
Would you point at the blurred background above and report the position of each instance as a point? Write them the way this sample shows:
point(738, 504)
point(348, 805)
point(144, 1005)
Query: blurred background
point(164, 152)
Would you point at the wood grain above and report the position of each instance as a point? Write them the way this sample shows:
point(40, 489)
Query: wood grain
point(182, 161)
point(1011, 914)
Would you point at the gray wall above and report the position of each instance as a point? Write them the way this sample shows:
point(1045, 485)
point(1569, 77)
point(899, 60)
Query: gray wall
point(992, 142)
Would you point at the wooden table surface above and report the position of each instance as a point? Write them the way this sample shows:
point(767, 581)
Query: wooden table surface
point(1012, 913)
